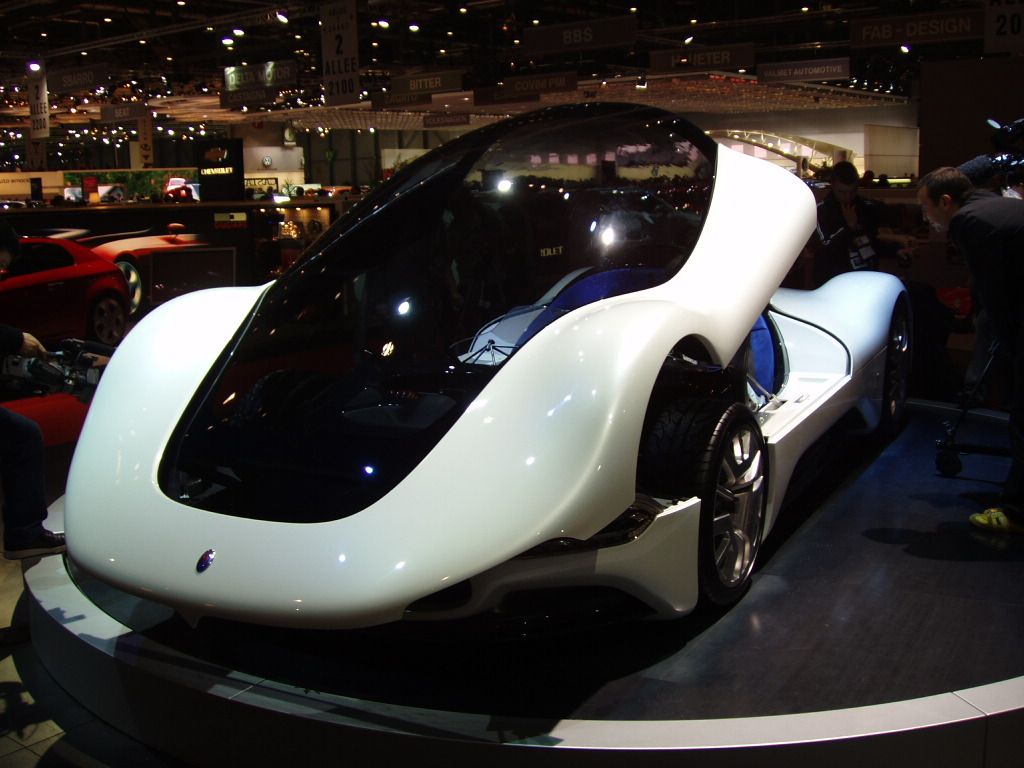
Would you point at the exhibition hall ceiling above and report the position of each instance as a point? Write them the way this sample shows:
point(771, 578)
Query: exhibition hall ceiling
point(171, 55)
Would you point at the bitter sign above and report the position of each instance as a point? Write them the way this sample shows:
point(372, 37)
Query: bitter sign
point(339, 44)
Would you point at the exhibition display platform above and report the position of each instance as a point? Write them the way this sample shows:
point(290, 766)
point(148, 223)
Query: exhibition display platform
point(878, 623)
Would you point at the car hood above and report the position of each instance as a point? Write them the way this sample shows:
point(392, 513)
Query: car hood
point(547, 449)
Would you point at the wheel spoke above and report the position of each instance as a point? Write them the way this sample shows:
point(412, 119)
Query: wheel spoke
point(738, 503)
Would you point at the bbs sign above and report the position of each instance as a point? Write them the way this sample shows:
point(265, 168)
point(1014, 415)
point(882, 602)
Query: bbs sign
point(339, 44)
point(610, 32)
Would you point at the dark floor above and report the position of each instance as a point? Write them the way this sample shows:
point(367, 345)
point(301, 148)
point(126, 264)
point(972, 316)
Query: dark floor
point(873, 588)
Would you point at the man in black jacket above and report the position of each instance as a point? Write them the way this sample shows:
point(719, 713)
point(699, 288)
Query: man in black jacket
point(847, 237)
point(21, 451)
point(988, 231)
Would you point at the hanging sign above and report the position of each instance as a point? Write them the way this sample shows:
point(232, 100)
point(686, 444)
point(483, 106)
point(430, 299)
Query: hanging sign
point(38, 106)
point(917, 29)
point(611, 32)
point(798, 71)
point(339, 43)
point(1004, 26)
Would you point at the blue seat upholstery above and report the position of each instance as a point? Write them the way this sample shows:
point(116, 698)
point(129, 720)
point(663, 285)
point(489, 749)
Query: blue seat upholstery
point(762, 346)
point(592, 287)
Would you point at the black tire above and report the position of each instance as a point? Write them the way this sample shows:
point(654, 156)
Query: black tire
point(108, 319)
point(713, 450)
point(898, 355)
point(133, 278)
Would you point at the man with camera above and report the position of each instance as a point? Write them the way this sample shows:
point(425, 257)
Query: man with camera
point(988, 231)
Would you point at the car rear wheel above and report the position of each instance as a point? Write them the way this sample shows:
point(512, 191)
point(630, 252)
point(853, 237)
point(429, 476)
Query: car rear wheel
point(107, 320)
point(896, 379)
point(713, 450)
point(133, 277)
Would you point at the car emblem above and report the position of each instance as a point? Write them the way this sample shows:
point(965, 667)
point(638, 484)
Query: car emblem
point(205, 560)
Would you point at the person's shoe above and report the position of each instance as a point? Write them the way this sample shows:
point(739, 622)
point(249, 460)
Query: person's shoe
point(46, 543)
point(995, 519)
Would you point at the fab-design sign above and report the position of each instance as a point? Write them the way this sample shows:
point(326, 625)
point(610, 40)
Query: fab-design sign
point(917, 29)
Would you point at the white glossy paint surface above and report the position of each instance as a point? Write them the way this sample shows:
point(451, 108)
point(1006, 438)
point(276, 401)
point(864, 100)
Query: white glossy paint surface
point(547, 450)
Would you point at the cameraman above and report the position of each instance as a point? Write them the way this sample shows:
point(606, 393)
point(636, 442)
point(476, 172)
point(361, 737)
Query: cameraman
point(988, 231)
point(21, 450)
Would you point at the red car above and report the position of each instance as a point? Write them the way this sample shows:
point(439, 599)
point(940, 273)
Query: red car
point(58, 289)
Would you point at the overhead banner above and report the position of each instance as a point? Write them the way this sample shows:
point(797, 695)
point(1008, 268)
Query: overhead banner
point(803, 71)
point(390, 100)
point(726, 58)
point(116, 113)
point(35, 156)
point(147, 152)
point(258, 84)
point(79, 80)
point(438, 120)
point(917, 29)
point(611, 32)
point(526, 88)
point(1004, 26)
point(426, 82)
point(38, 106)
point(339, 43)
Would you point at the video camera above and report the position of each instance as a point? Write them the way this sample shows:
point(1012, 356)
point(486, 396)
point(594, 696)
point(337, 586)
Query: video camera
point(1008, 141)
point(74, 367)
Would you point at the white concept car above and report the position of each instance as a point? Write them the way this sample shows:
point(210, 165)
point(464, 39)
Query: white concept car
point(550, 354)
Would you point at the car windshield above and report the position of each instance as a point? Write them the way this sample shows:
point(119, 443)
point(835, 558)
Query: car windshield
point(363, 355)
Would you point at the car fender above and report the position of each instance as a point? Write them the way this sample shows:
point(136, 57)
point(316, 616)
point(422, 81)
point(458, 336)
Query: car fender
point(855, 307)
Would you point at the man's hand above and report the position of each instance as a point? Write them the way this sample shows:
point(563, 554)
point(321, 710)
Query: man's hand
point(30, 346)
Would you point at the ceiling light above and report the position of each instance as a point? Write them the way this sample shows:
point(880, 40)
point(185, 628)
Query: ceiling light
point(904, 49)
point(463, 9)
point(238, 32)
point(688, 40)
point(107, 19)
point(34, 66)
point(383, 23)
point(414, 27)
point(281, 17)
point(227, 41)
